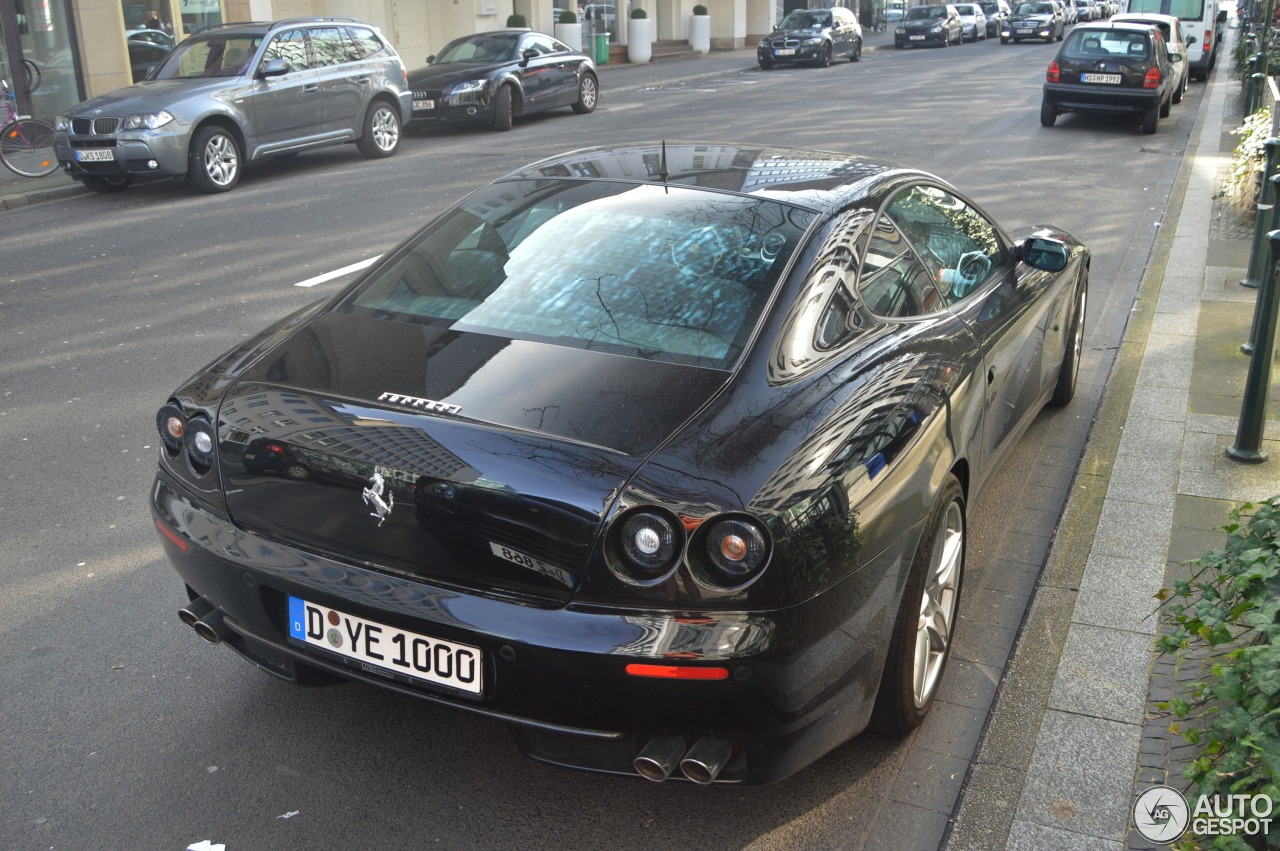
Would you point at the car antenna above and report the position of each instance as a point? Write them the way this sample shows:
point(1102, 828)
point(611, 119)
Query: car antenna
point(664, 173)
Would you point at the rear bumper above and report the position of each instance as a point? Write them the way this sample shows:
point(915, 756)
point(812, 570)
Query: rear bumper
point(1079, 98)
point(801, 679)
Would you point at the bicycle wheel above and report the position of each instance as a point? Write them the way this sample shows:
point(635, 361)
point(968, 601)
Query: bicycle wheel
point(27, 147)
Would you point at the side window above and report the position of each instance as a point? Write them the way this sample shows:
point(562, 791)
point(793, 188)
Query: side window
point(290, 46)
point(540, 43)
point(363, 42)
point(894, 283)
point(329, 47)
point(957, 244)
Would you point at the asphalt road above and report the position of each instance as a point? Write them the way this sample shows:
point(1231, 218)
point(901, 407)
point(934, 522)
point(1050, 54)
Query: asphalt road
point(123, 730)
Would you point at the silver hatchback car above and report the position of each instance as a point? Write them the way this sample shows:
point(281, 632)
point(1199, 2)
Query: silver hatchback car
point(236, 93)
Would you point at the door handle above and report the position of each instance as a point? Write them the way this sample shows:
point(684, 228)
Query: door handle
point(362, 80)
point(313, 87)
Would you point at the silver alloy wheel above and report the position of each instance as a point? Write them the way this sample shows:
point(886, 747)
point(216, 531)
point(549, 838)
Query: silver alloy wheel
point(938, 604)
point(587, 93)
point(386, 129)
point(221, 160)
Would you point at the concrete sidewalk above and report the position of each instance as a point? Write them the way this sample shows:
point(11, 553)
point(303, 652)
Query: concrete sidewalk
point(1074, 736)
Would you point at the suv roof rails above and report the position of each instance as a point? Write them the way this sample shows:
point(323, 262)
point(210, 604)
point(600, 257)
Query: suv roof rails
point(274, 25)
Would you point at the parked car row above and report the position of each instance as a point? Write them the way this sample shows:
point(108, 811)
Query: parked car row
point(237, 93)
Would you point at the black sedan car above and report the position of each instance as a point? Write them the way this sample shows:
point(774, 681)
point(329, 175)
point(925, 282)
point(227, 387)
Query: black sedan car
point(495, 77)
point(1118, 68)
point(924, 25)
point(665, 454)
point(1042, 21)
point(814, 36)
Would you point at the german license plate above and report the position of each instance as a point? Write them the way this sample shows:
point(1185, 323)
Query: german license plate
point(1109, 79)
point(424, 105)
point(386, 647)
point(785, 51)
point(99, 155)
point(1023, 30)
point(915, 38)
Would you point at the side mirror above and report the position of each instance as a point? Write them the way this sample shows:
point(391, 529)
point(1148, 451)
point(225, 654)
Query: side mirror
point(431, 58)
point(1190, 40)
point(1222, 16)
point(273, 68)
point(526, 55)
point(1042, 253)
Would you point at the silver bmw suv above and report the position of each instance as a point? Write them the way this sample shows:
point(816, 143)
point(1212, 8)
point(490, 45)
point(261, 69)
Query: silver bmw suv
point(236, 93)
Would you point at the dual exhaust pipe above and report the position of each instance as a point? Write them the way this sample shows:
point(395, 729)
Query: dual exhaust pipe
point(701, 763)
point(205, 619)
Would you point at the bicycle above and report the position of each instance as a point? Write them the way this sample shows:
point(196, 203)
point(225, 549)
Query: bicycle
point(26, 144)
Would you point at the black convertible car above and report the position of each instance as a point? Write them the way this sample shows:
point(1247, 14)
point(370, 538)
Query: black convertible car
point(660, 454)
point(494, 77)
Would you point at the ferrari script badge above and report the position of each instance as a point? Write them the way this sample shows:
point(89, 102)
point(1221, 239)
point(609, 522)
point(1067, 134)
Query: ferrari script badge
point(373, 495)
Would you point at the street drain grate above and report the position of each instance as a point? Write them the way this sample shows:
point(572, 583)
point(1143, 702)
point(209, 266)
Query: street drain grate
point(1158, 151)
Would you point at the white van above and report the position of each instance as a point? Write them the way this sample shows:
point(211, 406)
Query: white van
point(1203, 24)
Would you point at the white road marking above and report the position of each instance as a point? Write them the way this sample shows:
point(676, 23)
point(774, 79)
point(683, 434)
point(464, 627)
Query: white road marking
point(338, 273)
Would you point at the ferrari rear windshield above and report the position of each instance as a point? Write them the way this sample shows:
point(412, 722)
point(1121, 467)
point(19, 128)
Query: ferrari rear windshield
point(646, 270)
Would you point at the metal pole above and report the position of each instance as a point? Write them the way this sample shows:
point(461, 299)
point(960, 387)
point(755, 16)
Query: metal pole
point(1248, 345)
point(1258, 254)
point(1253, 409)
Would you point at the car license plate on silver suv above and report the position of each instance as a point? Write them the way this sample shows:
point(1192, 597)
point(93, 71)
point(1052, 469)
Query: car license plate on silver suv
point(424, 105)
point(100, 155)
point(1109, 79)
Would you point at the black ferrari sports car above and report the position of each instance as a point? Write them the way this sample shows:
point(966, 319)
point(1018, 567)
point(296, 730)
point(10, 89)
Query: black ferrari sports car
point(659, 454)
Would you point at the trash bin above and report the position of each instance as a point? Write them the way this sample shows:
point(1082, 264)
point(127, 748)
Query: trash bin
point(600, 49)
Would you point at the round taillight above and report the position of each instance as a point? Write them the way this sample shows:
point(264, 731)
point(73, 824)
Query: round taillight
point(647, 547)
point(1054, 73)
point(172, 426)
point(200, 441)
point(1152, 80)
point(729, 553)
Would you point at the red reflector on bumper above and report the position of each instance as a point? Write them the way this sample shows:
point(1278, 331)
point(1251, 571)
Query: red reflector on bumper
point(172, 536)
point(675, 672)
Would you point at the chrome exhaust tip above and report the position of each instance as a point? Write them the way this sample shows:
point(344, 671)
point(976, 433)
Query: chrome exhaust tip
point(194, 611)
point(705, 760)
point(211, 627)
point(659, 758)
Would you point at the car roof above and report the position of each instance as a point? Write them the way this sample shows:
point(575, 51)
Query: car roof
point(262, 27)
point(819, 180)
point(1119, 26)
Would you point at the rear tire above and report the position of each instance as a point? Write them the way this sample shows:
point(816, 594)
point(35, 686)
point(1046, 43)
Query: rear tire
point(213, 164)
point(381, 134)
point(1069, 374)
point(925, 626)
point(1048, 115)
point(502, 109)
point(27, 147)
point(588, 95)
point(1150, 119)
point(108, 185)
